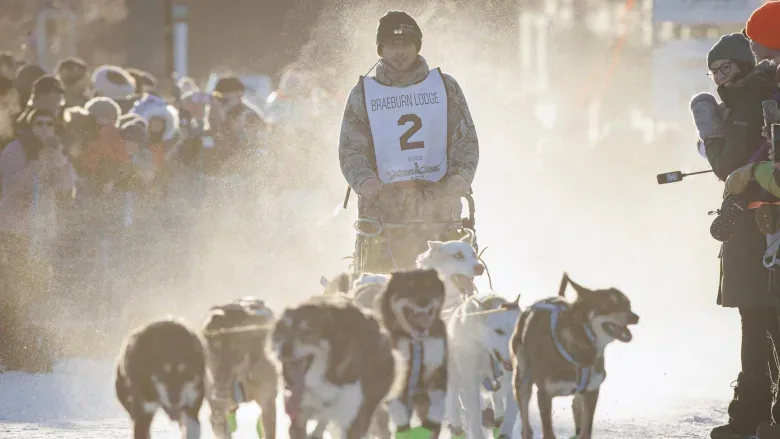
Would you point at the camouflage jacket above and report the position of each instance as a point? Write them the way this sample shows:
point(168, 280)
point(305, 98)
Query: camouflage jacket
point(356, 153)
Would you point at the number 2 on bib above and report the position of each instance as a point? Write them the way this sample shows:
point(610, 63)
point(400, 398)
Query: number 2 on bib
point(416, 125)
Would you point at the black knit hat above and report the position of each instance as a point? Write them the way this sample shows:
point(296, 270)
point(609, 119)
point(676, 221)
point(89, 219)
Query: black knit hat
point(732, 47)
point(134, 130)
point(47, 84)
point(142, 79)
point(70, 63)
point(229, 84)
point(397, 24)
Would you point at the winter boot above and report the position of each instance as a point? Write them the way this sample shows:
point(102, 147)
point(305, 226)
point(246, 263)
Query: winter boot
point(750, 407)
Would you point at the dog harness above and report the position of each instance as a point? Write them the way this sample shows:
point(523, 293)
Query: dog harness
point(414, 385)
point(583, 372)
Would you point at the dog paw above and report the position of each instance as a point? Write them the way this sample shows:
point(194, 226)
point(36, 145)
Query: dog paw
point(457, 432)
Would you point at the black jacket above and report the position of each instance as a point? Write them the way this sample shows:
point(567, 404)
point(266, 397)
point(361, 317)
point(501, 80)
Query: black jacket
point(744, 281)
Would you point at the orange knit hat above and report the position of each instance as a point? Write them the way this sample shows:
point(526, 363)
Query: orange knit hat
point(763, 26)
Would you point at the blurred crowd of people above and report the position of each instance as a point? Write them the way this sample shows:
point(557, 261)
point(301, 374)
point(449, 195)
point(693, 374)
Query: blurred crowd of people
point(102, 173)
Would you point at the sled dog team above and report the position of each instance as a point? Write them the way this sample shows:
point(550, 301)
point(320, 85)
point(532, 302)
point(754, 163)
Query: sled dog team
point(380, 355)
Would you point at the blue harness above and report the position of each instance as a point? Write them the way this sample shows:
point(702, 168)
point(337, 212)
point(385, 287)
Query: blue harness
point(583, 372)
point(415, 372)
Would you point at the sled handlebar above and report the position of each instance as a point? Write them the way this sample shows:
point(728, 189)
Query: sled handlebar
point(376, 227)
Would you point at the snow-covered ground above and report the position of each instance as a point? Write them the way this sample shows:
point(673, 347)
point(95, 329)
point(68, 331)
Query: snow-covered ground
point(659, 386)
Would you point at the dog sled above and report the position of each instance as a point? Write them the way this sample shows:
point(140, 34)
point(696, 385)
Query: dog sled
point(385, 246)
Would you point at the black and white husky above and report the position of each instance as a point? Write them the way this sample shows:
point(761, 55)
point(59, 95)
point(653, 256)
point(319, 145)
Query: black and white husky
point(162, 365)
point(558, 346)
point(338, 365)
point(410, 307)
point(239, 367)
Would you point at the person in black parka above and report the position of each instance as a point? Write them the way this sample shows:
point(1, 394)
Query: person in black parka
point(733, 138)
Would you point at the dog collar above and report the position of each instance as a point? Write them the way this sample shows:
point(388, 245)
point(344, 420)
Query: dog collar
point(493, 385)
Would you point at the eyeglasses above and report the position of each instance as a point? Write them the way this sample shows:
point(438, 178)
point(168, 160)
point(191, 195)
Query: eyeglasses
point(725, 69)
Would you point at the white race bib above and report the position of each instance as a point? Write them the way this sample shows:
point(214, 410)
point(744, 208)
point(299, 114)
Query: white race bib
point(409, 128)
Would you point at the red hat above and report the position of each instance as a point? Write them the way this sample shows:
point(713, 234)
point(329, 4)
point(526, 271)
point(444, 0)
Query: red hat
point(763, 26)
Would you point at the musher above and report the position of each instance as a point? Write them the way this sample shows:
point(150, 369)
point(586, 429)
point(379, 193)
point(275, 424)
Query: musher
point(408, 148)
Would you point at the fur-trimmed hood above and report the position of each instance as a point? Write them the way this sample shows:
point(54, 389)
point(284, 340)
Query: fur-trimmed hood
point(112, 82)
point(150, 106)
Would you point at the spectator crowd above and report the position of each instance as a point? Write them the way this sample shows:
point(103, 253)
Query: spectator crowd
point(100, 167)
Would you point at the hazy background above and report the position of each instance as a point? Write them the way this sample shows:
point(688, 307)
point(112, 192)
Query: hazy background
point(547, 202)
point(594, 211)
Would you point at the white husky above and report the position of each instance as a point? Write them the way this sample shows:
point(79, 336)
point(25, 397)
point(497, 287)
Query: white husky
point(479, 333)
point(455, 261)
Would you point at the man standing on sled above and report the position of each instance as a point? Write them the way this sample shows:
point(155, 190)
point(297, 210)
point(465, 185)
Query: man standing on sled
point(408, 148)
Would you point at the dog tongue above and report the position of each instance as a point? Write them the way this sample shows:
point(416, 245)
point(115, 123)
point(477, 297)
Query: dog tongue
point(627, 335)
point(294, 395)
point(621, 333)
point(420, 321)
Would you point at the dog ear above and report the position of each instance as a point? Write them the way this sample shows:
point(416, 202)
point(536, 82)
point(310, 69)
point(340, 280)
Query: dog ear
point(582, 292)
point(469, 238)
point(339, 284)
point(216, 318)
point(435, 245)
point(515, 304)
point(564, 283)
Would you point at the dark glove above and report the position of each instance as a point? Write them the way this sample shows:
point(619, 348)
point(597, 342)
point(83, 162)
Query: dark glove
point(731, 208)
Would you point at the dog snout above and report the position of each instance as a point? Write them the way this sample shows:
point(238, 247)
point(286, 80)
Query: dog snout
point(479, 269)
point(633, 319)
